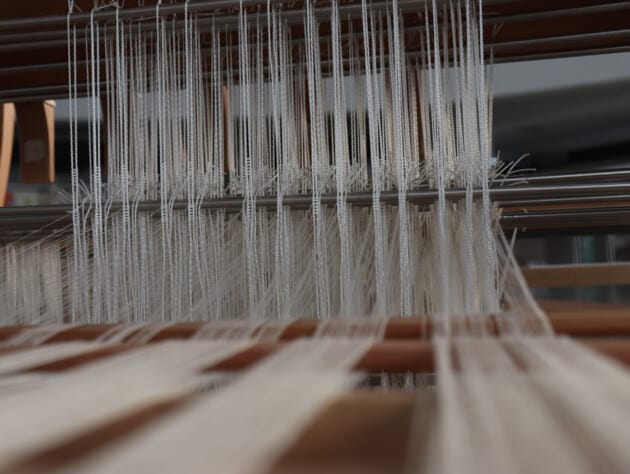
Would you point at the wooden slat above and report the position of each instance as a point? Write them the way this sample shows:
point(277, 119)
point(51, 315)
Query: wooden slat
point(554, 307)
point(554, 276)
point(406, 356)
point(385, 356)
point(389, 356)
point(7, 128)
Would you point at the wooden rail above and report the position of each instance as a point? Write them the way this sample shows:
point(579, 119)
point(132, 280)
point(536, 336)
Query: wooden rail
point(576, 320)
point(596, 274)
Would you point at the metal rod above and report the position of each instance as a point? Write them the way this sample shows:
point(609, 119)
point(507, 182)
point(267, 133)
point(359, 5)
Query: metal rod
point(562, 54)
point(503, 195)
point(555, 40)
point(608, 199)
point(593, 220)
point(617, 218)
point(563, 177)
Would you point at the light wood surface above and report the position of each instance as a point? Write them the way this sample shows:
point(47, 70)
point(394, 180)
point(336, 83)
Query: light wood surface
point(7, 129)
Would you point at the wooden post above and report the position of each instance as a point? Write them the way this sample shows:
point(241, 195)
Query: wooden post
point(7, 128)
point(36, 125)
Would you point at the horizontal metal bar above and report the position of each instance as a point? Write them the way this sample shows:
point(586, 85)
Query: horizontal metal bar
point(615, 219)
point(58, 221)
point(531, 178)
point(562, 39)
point(503, 195)
point(608, 199)
point(587, 51)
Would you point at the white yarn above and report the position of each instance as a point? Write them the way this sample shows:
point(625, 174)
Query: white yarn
point(102, 391)
point(282, 128)
point(275, 386)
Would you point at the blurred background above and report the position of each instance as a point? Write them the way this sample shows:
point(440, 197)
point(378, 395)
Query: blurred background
point(553, 116)
point(567, 115)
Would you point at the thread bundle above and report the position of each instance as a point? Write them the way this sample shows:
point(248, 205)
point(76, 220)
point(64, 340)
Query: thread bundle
point(195, 112)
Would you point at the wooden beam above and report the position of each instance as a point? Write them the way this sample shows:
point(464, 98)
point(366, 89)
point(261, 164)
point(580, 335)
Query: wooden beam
point(565, 318)
point(405, 356)
point(385, 356)
point(597, 274)
point(7, 129)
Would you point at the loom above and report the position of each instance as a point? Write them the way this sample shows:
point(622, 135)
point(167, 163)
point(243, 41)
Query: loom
point(92, 383)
